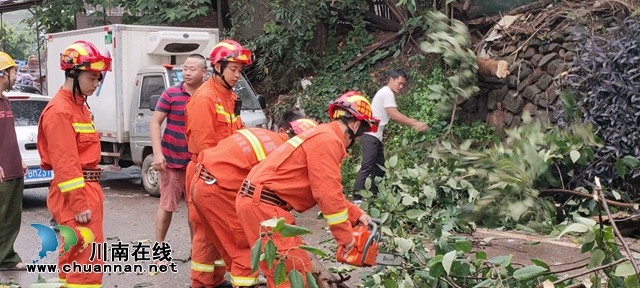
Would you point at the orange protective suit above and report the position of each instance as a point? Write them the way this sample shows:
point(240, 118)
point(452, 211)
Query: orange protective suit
point(68, 144)
point(209, 118)
point(304, 172)
point(229, 163)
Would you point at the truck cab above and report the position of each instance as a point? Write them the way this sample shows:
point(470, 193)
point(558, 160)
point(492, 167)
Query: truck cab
point(150, 82)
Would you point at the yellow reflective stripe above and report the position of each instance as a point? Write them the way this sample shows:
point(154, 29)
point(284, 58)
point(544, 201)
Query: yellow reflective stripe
point(62, 280)
point(255, 143)
point(243, 281)
point(229, 117)
point(337, 218)
point(295, 141)
point(83, 127)
point(201, 267)
point(219, 262)
point(71, 184)
point(83, 285)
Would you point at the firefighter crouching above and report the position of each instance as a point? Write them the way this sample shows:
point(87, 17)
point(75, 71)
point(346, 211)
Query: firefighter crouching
point(212, 113)
point(305, 172)
point(70, 146)
point(219, 175)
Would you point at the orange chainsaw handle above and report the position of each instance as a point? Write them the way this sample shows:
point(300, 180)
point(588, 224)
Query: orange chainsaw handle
point(374, 236)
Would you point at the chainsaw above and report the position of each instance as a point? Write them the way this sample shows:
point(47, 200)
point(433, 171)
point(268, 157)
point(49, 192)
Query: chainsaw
point(366, 250)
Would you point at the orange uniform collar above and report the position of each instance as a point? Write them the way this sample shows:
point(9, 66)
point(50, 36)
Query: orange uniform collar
point(66, 94)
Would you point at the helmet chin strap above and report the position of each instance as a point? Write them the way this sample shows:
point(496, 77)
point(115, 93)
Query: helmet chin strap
point(223, 64)
point(76, 85)
point(353, 135)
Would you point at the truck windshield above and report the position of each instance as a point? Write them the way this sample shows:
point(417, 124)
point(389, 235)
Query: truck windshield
point(243, 89)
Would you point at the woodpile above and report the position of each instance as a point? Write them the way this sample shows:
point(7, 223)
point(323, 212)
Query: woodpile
point(537, 41)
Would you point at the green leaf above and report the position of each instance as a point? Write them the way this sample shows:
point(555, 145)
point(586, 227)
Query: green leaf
point(631, 161)
point(503, 260)
point(416, 214)
point(404, 245)
point(616, 194)
point(528, 273)
point(465, 145)
point(313, 250)
point(273, 222)
point(464, 246)
point(41, 279)
point(481, 255)
point(597, 256)
point(311, 282)
point(292, 230)
point(280, 225)
point(447, 261)
point(393, 161)
point(436, 270)
point(631, 282)
point(540, 263)
point(269, 253)
point(575, 156)
point(255, 255)
point(585, 221)
point(485, 283)
point(280, 274)
point(625, 269)
point(295, 278)
point(575, 227)
point(409, 200)
point(446, 144)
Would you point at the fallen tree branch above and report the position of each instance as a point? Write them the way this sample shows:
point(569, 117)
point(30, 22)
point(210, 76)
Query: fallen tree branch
point(382, 43)
point(587, 272)
point(615, 227)
point(585, 195)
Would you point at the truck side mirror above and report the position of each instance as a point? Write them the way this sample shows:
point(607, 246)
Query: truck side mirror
point(262, 101)
point(153, 101)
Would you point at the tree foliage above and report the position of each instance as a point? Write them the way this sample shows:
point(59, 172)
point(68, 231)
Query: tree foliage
point(59, 15)
point(17, 43)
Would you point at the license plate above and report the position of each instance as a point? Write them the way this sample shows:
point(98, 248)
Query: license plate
point(37, 173)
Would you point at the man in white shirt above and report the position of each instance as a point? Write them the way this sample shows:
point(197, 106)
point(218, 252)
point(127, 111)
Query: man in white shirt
point(384, 108)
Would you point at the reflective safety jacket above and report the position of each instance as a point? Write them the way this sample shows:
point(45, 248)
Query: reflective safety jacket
point(209, 116)
point(68, 143)
point(305, 172)
point(233, 158)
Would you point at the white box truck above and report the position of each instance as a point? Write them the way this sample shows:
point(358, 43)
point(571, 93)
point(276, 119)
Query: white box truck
point(145, 61)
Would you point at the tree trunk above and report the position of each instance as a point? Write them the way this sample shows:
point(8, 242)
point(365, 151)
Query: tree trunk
point(489, 67)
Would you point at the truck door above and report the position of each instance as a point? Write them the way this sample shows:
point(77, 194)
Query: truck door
point(152, 84)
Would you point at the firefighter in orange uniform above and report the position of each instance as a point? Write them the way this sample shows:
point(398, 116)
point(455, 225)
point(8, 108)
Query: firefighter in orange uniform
point(220, 172)
point(212, 114)
point(305, 172)
point(70, 146)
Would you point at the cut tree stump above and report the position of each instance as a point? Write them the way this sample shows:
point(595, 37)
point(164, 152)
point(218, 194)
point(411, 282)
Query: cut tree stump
point(495, 68)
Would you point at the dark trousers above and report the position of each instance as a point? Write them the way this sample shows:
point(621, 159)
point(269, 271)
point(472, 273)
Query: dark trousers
point(10, 218)
point(372, 160)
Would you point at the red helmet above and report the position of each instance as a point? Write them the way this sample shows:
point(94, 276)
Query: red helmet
point(303, 124)
point(83, 55)
point(357, 105)
point(230, 51)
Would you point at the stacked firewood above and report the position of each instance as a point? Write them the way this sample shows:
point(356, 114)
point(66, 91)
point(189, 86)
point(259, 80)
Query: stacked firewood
point(538, 41)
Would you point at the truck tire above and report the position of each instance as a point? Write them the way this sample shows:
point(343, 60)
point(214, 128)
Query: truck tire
point(150, 177)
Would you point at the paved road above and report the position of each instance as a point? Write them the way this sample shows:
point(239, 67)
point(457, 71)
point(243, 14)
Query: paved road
point(129, 215)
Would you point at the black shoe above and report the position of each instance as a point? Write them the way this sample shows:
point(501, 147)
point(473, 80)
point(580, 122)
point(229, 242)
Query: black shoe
point(225, 284)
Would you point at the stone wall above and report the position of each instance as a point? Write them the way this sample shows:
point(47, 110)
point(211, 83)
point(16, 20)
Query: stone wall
point(538, 53)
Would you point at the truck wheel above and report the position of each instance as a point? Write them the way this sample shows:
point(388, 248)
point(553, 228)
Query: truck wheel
point(150, 177)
